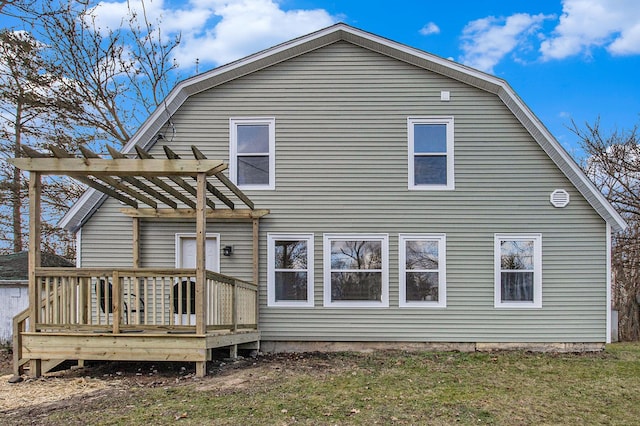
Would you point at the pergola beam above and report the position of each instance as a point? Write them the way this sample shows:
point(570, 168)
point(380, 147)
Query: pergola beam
point(215, 214)
point(117, 167)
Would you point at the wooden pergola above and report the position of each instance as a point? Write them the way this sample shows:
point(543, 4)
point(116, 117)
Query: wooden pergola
point(167, 188)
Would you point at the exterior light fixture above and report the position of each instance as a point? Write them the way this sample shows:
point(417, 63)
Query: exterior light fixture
point(227, 250)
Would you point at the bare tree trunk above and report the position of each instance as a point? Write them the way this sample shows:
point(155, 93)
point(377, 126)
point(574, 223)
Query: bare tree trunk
point(16, 187)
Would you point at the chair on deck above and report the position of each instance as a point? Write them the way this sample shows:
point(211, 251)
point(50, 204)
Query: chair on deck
point(105, 290)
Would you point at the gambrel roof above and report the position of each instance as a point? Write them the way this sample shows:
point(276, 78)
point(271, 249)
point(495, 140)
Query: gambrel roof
point(146, 136)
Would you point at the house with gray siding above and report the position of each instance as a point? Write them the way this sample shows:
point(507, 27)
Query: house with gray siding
point(412, 201)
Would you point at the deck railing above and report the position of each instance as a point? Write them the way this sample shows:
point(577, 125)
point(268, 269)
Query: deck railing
point(126, 300)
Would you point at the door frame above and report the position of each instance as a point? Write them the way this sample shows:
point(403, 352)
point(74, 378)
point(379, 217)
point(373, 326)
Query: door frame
point(209, 236)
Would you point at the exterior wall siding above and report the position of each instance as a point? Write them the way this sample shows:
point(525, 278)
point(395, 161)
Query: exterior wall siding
point(341, 166)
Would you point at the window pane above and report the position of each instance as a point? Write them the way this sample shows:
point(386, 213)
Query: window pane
point(422, 255)
point(430, 170)
point(430, 138)
point(253, 139)
point(356, 286)
point(291, 286)
point(516, 286)
point(422, 286)
point(356, 255)
point(516, 255)
point(291, 254)
point(253, 170)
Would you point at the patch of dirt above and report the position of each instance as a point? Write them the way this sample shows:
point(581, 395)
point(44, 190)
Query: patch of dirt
point(45, 390)
point(101, 383)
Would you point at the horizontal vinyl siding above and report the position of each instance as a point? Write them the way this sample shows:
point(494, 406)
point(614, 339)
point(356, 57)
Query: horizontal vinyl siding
point(341, 166)
point(107, 238)
point(157, 245)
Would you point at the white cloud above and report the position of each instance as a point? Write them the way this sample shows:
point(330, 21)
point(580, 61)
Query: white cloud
point(486, 41)
point(585, 24)
point(430, 28)
point(220, 31)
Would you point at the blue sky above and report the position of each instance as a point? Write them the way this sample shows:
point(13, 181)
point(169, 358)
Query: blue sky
point(567, 59)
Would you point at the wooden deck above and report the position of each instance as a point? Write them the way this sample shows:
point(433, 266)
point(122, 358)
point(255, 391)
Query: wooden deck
point(135, 314)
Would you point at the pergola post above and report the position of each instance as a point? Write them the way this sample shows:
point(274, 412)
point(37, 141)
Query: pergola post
point(201, 274)
point(35, 239)
point(256, 258)
point(135, 228)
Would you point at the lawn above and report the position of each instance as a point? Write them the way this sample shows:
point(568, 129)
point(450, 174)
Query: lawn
point(383, 388)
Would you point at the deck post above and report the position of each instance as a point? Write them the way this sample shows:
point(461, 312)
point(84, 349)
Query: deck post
point(201, 368)
point(256, 254)
point(35, 239)
point(256, 259)
point(135, 228)
point(234, 307)
point(201, 271)
point(201, 275)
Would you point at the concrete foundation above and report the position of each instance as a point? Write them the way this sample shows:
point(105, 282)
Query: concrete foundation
point(273, 346)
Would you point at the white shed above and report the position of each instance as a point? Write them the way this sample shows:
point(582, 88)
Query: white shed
point(14, 288)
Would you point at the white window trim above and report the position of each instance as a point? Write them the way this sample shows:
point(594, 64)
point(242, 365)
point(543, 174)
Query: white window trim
point(209, 235)
point(271, 270)
point(442, 270)
point(233, 150)
point(537, 271)
point(79, 248)
point(448, 121)
point(384, 302)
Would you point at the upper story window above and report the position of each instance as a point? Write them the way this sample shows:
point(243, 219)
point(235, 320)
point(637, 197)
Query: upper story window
point(252, 152)
point(356, 270)
point(518, 271)
point(431, 153)
point(422, 270)
point(290, 270)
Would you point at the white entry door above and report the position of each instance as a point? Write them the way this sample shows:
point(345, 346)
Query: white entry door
point(186, 258)
point(186, 252)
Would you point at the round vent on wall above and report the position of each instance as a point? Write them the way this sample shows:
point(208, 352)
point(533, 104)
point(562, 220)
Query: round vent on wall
point(559, 198)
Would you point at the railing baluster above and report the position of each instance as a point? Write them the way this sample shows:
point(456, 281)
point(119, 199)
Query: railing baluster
point(56, 304)
point(117, 302)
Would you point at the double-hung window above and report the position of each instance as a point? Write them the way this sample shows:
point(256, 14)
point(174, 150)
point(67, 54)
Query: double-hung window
point(518, 271)
point(431, 153)
point(422, 270)
point(356, 270)
point(290, 270)
point(252, 152)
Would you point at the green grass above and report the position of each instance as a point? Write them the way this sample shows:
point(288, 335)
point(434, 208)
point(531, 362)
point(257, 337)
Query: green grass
point(395, 388)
